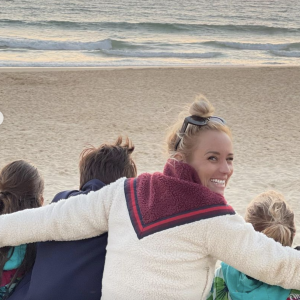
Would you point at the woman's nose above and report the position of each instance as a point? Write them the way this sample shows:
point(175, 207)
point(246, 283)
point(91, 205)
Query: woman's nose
point(225, 168)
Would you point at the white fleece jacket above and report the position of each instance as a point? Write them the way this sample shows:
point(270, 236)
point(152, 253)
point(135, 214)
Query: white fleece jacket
point(177, 263)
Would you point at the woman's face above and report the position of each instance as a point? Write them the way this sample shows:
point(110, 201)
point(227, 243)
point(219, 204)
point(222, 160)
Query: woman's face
point(213, 159)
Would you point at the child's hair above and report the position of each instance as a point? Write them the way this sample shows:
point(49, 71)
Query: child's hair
point(107, 163)
point(21, 187)
point(270, 214)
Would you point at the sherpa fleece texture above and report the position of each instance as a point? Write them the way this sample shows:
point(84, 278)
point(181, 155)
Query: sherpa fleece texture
point(155, 202)
point(177, 263)
point(177, 182)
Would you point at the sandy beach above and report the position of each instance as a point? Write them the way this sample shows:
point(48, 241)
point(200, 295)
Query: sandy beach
point(51, 114)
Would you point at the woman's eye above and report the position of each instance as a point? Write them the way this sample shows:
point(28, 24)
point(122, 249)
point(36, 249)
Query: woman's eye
point(230, 158)
point(213, 158)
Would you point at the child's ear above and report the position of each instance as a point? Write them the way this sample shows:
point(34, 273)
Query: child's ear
point(42, 200)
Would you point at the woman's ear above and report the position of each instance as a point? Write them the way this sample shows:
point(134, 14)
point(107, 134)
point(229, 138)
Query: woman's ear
point(179, 156)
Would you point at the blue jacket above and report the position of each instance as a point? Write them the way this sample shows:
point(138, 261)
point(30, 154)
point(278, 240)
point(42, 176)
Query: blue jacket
point(66, 270)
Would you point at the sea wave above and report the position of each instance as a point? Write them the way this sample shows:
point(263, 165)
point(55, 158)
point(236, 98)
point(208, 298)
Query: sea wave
point(35, 44)
point(118, 63)
point(25, 64)
point(150, 54)
point(106, 47)
point(286, 53)
point(252, 46)
point(153, 26)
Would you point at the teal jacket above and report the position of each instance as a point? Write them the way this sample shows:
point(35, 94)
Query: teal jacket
point(16, 255)
point(231, 284)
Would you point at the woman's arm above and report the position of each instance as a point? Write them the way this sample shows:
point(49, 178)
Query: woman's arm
point(79, 217)
point(232, 240)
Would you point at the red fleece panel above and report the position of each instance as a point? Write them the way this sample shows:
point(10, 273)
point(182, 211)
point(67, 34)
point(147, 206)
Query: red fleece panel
point(175, 191)
point(161, 201)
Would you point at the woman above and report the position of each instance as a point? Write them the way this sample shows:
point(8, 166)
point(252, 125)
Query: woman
point(270, 214)
point(21, 187)
point(166, 230)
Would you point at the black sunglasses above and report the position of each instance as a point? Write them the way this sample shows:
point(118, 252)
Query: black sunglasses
point(198, 121)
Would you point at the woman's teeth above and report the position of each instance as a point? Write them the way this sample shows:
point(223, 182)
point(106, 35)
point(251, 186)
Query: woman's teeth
point(218, 181)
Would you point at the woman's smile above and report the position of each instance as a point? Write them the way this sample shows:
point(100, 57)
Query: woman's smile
point(213, 160)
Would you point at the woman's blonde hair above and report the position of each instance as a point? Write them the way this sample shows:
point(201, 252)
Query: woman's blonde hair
point(270, 214)
point(201, 107)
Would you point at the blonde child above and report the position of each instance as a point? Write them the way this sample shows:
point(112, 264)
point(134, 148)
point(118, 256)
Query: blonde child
point(269, 214)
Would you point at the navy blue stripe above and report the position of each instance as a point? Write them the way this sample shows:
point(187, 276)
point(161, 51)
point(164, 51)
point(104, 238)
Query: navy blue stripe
point(129, 206)
point(136, 202)
point(184, 221)
point(186, 212)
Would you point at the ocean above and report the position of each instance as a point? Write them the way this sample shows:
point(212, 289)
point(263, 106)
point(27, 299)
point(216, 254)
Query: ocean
point(81, 33)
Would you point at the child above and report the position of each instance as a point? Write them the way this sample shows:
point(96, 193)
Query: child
point(21, 187)
point(270, 214)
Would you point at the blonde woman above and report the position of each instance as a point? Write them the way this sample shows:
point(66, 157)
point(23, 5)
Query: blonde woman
point(166, 230)
point(269, 214)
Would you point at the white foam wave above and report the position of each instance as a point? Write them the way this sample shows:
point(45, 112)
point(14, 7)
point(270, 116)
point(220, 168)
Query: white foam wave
point(54, 45)
point(286, 53)
point(125, 62)
point(254, 46)
point(150, 54)
point(14, 64)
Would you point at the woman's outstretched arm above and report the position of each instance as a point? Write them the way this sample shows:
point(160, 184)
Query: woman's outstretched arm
point(232, 240)
point(79, 217)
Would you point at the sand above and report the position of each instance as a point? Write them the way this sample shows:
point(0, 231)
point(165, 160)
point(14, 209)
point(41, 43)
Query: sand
point(51, 114)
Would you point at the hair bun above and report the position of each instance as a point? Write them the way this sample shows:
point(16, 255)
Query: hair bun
point(280, 233)
point(270, 214)
point(201, 107)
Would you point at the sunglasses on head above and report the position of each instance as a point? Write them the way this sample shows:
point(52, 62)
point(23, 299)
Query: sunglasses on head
point(198, 121)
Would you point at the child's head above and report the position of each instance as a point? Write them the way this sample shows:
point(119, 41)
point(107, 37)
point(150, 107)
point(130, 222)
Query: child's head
point(21, 187)
point(270, 214)
point(107, 163)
